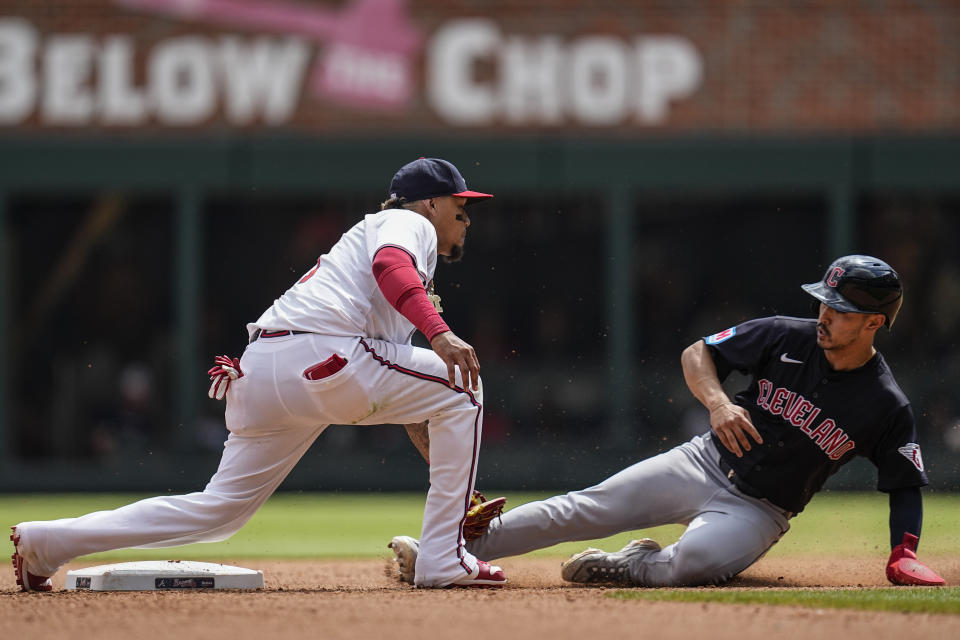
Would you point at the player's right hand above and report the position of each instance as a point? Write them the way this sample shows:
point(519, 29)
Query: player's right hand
point(733, 427)
point(457, 353)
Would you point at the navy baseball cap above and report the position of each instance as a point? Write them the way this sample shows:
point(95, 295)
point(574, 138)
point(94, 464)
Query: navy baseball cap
point(430, 178)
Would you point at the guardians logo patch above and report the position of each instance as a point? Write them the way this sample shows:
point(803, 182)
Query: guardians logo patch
point(911, 451)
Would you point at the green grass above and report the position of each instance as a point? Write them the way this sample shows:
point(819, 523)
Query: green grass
point(945, 600)
point(298, 525)
point(289, 525)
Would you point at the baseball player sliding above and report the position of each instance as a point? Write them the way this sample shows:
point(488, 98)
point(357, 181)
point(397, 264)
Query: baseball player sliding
point(820, 394)
point(334, 349)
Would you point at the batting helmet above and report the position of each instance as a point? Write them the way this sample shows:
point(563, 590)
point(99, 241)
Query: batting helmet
point(860, 284)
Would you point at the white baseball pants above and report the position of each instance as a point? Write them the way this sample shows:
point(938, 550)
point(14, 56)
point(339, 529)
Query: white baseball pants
point(274, 413)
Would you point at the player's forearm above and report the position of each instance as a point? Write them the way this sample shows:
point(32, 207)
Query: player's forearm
point(700, 374)
point(906, 513)
point(420, 437)
point(400, 284)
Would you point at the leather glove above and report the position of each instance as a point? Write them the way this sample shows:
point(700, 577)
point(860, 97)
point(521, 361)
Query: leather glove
point(481, 513)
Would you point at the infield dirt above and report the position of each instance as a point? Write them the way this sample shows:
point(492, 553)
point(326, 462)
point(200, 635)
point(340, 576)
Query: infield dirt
point(358, 599)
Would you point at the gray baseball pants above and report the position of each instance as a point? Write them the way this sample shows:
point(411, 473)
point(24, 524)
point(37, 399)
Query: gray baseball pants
point(727, 530)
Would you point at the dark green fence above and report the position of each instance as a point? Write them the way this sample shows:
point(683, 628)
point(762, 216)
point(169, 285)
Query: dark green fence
point(596, 263)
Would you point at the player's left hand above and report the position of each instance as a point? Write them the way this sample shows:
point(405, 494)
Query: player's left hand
point(224, 370)
point(904, 568)
point(733, 427)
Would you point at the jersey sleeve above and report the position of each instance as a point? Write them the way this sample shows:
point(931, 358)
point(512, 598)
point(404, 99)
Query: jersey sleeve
point(743, 347)
point(897, 454)
point(411, 232)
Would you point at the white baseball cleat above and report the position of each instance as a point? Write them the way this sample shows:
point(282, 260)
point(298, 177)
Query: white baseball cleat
point(592, 566)
point(405, 550)
point(26, 580)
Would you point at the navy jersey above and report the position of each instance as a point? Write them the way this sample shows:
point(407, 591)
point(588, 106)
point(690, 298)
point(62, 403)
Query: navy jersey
point(812, 419)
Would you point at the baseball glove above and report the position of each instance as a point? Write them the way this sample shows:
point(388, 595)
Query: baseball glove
point(480, 514)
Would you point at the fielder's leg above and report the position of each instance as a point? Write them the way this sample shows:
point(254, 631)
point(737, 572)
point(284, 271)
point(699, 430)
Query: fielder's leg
point(380, 383)
point(408, 384)
point(250, 470)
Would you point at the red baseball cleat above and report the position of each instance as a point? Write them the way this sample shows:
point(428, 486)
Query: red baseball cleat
point(485, 575)
point(26, 580)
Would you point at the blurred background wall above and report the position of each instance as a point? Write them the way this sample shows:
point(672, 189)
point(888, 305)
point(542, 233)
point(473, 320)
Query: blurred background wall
point(663, 170)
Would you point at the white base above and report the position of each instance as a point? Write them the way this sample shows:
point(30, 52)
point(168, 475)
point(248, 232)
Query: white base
point(163, 575)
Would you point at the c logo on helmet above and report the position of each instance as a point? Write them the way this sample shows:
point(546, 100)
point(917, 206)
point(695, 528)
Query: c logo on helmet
point(834, 278)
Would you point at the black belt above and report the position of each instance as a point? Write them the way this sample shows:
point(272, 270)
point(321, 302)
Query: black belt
point(266, 333)
point(738, 482)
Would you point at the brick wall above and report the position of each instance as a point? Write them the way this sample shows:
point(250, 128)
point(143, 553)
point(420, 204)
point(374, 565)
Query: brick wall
point(767, 67)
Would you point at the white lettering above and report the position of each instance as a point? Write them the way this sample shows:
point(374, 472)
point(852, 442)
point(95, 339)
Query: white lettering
point(121, 103)
point(262, 77)
point(476, 76)
point(669, 68)
point(67, 67)
point(598, 83)
point(18, 88)
point(180, 74)
point(452, 87)
point(529, 80)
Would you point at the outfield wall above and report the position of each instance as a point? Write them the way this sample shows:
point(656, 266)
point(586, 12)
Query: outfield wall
point(596, 264)
point(662, 171)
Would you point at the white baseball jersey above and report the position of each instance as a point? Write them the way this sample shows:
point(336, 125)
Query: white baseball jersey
point(278, 408)
point(340, 296)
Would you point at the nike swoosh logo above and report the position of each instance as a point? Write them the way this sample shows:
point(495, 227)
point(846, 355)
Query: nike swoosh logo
point(789, 360)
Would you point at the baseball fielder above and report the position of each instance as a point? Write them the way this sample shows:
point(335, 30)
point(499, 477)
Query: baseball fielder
point(334, 349)
point(820, 394)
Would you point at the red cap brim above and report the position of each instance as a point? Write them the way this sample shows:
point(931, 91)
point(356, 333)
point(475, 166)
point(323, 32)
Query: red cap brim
point(473, 195)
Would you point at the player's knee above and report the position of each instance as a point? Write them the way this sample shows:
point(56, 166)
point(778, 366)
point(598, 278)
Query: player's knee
point(694, 566)
point(229, 505)
point(467, 399)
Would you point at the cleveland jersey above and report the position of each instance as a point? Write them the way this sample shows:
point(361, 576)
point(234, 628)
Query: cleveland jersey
point(812, 419)
point(340, 297)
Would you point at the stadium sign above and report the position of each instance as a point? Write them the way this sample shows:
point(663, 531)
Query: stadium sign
point(298, 62)
point(74, 79)
point(591, 80)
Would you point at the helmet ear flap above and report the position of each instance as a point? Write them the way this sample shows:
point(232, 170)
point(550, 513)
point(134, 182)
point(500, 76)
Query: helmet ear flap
point(892, 311)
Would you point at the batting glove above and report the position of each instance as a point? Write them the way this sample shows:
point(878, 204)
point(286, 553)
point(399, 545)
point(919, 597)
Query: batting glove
point(904, 568)
point(224, 371)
